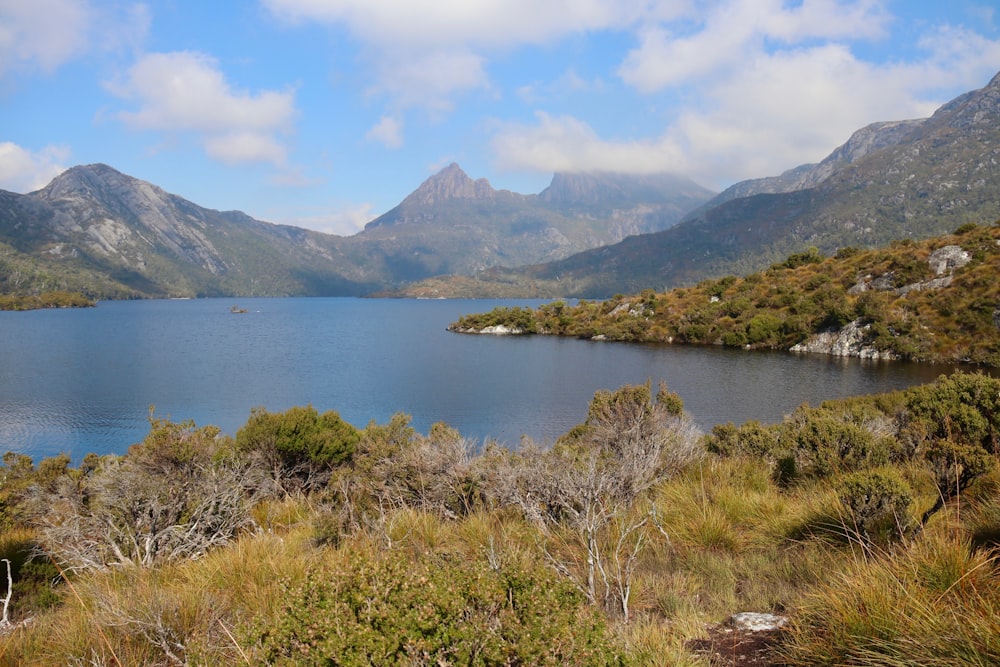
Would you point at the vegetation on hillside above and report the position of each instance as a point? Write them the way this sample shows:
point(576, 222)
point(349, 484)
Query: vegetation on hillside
point(28, 282)
point(903, 304)
point(45, 300)
point(872, 523)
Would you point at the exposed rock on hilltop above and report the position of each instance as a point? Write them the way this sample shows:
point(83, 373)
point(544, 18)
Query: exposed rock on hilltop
point(453, 224)
point(96, 230)
point(449, 184)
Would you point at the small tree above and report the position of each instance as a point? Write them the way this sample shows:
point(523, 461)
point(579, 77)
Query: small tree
point(877, 503)
point(589, 481)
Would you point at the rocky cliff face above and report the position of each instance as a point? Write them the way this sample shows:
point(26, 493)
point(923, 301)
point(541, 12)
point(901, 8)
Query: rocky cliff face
point(118, 216)
point(865, 141)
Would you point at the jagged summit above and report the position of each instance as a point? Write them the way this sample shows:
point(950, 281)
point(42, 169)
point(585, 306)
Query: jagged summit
point(450, 183)
point(447, 186)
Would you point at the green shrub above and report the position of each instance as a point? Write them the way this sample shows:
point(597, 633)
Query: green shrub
point(386, 609)
point(877, 503)
point(763, 328)
point(298, 442)
point(751, 439)
point(824, 444)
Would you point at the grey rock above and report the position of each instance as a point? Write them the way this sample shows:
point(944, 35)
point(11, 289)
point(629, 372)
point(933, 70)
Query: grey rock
point(947, 259)
point(752, 621)
point(847, 342)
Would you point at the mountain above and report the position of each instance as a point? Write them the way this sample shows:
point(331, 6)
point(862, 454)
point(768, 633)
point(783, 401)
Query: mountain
point(891, 181)
point(109, 235)
point(866, 140)
point(453, 224)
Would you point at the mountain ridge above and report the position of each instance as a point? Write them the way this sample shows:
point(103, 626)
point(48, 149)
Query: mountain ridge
point(891, 181)
point(121, 236)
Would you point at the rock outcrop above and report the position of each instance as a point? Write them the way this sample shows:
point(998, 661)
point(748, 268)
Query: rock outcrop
point(851, 341)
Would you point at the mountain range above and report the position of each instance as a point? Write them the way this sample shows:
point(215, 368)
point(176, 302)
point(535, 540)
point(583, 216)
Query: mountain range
point(890, 181)
point(106, 234)
point(109, 235)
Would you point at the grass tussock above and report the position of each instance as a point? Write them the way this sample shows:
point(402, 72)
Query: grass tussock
point(935, 603)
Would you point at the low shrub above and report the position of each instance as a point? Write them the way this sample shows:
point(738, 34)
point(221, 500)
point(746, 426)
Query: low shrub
point(877, 503)
point(386, 609)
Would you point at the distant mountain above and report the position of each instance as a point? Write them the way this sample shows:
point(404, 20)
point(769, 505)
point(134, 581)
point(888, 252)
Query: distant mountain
point(453, 224)
point(891, 181)
point(863, 142)
point(108, 235)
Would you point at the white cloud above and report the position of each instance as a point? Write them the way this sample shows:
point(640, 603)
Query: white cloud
point(388, 132)
point(348, 221)
point(757, 87)
point(186, 92)
point(42, 34)
point(484, 23)
point(565, 143)
point(22, 170)
point(734, 31)
point(426, 54)
point(244, 146)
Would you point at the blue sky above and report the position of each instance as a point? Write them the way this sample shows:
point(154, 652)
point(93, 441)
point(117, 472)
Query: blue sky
point(327, 113)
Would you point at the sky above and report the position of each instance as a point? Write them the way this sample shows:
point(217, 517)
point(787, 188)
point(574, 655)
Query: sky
point(326, 113)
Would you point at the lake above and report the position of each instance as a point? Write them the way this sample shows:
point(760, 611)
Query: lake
point(83, 380)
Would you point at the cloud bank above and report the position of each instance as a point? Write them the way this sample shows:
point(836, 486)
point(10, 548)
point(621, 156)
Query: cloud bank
point(185, 92)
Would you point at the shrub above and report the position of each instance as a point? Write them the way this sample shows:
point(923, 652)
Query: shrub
point(387, 609)
point(877, 503)
point(170, 498)
point(751, 439)
point(763, 328)
point(299, 444)
point(824, 444)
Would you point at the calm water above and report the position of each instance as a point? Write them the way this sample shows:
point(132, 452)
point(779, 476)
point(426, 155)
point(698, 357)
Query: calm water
point(77, 381)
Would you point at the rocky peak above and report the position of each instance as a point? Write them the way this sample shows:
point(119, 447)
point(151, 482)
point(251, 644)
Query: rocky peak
point(870, 139)
point(976, 109)
point(101, 183)
point(450, 183)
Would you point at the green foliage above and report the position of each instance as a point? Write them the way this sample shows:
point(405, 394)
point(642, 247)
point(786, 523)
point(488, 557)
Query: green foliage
point(389, 609)
point(878, 504)
point(751, 439)
point(808, 294)
point(300, 442)
point(810, 256)
point(517, 318)
point(57, 299)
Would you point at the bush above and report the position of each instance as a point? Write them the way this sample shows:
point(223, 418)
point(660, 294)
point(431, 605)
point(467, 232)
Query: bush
point(386, 609)
point(877, 503)
point(299, 444)
point(171, 498)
